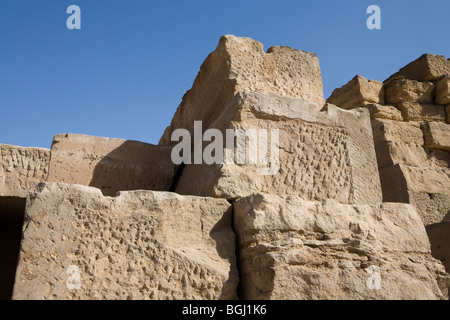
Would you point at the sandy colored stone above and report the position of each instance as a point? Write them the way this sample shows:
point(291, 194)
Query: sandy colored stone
point(425, 187)
point(389, 130)
point(378, 111)
point(358, 92)
point(21, 168)
point(422, 112)
point(436, 135)
point(405, 90)
point(428, 67)
point(138, 245)
point(240, 64)
point(402, 143)
point(439, 234)
point(411, 154)
point(291, 248)
point(442, 95)
point(111, 164)
point(323, 153)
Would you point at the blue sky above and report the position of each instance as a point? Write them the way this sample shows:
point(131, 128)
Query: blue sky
point(124, 73)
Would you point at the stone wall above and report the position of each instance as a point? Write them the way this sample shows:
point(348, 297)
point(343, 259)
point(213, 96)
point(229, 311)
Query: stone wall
point(21, 168)
point(411, 133)
point(138, 245)
point(314, 227)
point(111, 165)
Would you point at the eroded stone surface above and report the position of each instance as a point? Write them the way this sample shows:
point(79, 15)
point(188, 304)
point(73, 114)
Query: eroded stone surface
point(238, 65)
point(428, 67)
point(357, 93)
point(296, 249)
point(323, 154)
point(422, 112)
point(139, 245)
point(443, 91)
point(405, 90)
point(21, 168)
point(389, 112)
point(437, 135)
point(110, 164)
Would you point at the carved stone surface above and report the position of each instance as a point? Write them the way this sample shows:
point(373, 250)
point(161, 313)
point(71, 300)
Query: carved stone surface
point(139, 245)
point(291, 248)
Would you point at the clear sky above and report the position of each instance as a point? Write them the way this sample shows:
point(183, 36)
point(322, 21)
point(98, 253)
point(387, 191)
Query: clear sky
point(124, 73)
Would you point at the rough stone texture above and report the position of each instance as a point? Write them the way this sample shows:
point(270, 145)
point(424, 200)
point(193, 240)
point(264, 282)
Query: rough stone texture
point(291, 248)
point(422, 112)
point(240, 64)
point(139, 245)
point(442, 95)
point(405, 90)
point(21, 168)
point(437, 135)
point(439, 234)
point(111, 165)
point(406, 132)
point(323, 154)
point(357, 93)
point(427, 68)
point(425, 187)
point(378, 111)
point(447, 111)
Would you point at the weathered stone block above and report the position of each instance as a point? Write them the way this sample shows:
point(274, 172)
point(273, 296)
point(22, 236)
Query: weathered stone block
point(439, 235)
point(442, 95)
point(323, 154)
point(291, 248)
point(357, 93)
point(389, 130)
point(405, 90)
point(240, 64)
point(111, 165)
point(436, 135)
point(378, 111)
point(21, 168)
point(424, 187)
point(422, 112)
point(428, 67)
point(139, 245)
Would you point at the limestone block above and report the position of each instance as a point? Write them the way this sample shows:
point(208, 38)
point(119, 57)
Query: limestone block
point(424, 187)
point(291, 248)
point(422, 112)
point(436, 135)
point(138, 245)
point(439, 235)
point(389, 130)
point(412, 154)
point(433, 207)
point(322, 153)
point(442, 95)
point(240, 64)
point(110, 164)
point(358, 92)
point(405, 90)
point(21, 168)
point(427, 68)
point(378, 111)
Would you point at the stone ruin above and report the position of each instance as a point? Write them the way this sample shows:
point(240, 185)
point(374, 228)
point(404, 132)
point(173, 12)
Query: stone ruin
point(359, 207)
